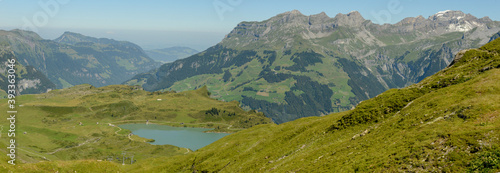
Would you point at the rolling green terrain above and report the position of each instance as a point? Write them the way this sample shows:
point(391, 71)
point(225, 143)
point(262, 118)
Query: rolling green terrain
point(74, 59)
point(448, 122)
point(170, 54)
point(80, 122)
point(292, 66)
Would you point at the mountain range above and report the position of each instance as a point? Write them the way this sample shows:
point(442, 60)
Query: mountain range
point(170, 54)
point(74, 59)
point(448, 122)
point(292, 65)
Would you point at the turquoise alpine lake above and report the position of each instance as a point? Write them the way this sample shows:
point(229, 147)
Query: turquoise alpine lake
point(192, 138)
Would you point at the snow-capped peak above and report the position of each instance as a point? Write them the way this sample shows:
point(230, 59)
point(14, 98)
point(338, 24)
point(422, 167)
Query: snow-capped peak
point(441, 13)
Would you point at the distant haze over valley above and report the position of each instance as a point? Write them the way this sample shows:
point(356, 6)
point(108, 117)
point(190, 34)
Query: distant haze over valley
point(147, 39)
point(170, 54)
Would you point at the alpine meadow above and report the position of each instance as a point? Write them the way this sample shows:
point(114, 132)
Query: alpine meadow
point(249, 86)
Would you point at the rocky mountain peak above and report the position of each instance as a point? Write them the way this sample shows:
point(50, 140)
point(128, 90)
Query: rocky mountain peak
point(74, 34)
point(450, 15)
point(353, 19)
point(282, 27)
point(320, 18)
point(443, 22)
point(290, 14)
point(456, 21)
point(294, 12)
point(354, 13)
point(320, 15)
point(294, 16)
point(71, 33)
point(411, 20)
point(73, 38)
point(486, 19)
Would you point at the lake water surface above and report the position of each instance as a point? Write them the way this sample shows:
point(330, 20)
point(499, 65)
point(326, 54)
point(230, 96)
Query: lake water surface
point(192, 138)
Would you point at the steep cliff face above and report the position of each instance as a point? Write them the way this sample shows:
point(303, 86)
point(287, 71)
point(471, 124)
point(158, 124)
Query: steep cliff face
point(292, 65)
point(74, 59)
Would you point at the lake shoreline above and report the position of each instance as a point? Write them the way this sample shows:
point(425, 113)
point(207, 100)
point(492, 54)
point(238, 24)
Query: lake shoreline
point(192, 138)
point(177, 124)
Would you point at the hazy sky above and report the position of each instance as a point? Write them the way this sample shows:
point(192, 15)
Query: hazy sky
point(200, 23)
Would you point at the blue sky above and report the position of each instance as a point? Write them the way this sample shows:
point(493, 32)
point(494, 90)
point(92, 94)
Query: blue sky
point(200, 23)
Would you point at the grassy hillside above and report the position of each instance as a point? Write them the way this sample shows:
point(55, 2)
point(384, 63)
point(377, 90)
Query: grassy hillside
point(80, 122)
point(446, 123)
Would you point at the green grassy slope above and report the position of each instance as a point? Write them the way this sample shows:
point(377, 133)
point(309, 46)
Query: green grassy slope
point(48, 125)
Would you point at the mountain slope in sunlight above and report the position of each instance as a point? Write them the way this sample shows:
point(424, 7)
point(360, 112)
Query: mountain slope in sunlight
point(447, 122)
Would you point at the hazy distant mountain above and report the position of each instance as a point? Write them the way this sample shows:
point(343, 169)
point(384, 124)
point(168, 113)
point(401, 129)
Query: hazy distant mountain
point(170, 54)
point(74, 59)
point(28, 80)
point(292, 65)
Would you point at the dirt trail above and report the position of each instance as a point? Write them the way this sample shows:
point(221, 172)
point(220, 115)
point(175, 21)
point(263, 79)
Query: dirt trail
point(87, 141)
point(119, 129)
point(34, 153)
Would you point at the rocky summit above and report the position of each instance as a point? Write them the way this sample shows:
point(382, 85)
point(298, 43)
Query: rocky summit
point(293, 65)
